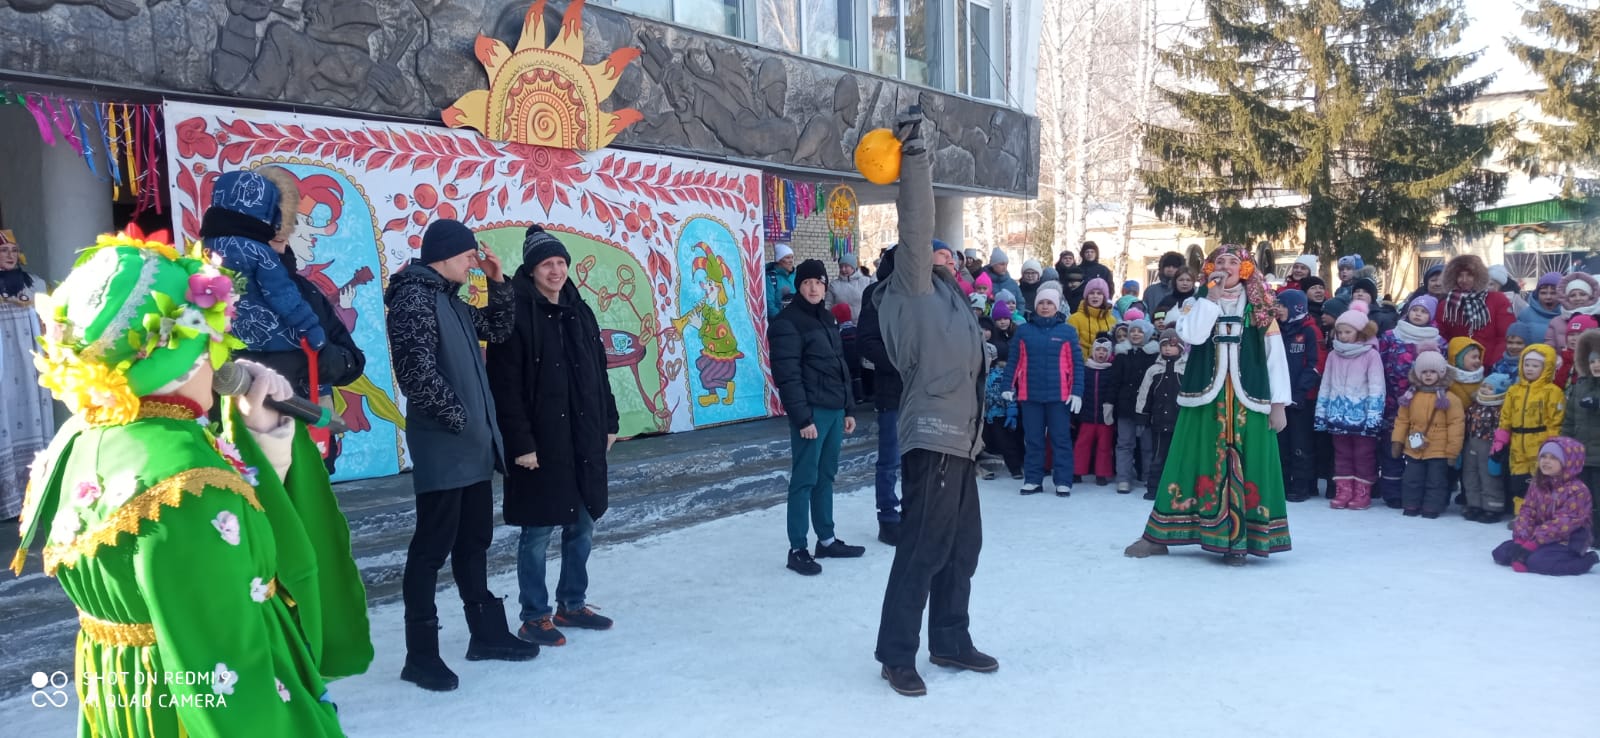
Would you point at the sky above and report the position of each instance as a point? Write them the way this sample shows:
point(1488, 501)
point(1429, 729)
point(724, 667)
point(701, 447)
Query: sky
point(1491, 20)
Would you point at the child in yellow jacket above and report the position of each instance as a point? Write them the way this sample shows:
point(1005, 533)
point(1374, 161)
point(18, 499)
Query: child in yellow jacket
point(1428, 429)
point(1533, 411)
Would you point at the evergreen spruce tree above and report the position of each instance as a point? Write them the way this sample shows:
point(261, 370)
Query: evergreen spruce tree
point(1351, 105)
point(1570, 68)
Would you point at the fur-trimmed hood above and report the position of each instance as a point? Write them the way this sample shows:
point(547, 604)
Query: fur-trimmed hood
point(1470, 264)
point(1594, 291)
point(1588, 343)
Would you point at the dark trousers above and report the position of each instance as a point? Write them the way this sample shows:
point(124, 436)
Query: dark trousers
point(1565, 558)
point(1591, 479)
point(1516, 489)
point(1426, 485)
point(1161, 446)
point(1042, 422)
point(1297, 452)
point(1005, 441)
point(1391, 469)
point(939, 542)
point(887, 473)
point(454, 523)
point(1324, 443)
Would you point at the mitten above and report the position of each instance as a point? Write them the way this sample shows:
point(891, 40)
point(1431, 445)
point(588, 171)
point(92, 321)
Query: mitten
point(1502, 438)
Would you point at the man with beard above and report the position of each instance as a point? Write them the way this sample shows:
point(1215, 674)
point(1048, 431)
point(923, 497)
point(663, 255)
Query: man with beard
point(934, 341)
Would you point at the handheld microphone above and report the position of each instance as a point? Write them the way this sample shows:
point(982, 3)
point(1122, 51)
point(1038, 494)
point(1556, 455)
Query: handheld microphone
point(231, 380)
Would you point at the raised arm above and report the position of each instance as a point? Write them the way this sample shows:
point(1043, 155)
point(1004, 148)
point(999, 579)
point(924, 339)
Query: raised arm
point(914, 257)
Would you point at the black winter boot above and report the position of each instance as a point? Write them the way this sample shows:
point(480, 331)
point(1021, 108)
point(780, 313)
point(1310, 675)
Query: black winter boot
point(905, 680)
point(423, 666)
point(491, 637)
point(889, 532)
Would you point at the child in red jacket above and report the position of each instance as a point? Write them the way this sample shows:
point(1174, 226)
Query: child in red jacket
point(1097, 422)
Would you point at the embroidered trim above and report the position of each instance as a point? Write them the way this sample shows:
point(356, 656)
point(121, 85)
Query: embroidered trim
point(146, 505)
point(107, 633)
point(176, 408)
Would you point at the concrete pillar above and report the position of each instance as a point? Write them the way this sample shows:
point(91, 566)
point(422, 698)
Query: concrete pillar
point(48, 196)
point(947, 222)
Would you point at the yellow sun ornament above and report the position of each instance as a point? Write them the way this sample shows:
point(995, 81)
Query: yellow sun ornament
point(545, 95)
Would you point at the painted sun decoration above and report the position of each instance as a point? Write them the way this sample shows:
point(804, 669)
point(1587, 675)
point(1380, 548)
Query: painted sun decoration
point(545, 95)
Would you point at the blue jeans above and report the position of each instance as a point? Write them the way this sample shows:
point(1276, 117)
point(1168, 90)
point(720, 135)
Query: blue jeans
point(1037, 418)
point(888, 465)
point(816, 461)
point(532, 551)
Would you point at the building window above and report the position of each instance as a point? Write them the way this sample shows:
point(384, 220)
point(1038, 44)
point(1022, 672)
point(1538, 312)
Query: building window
point(922, 43)
point(886, 37)
point(779, 24)
point(830, 30)
point(716, 16)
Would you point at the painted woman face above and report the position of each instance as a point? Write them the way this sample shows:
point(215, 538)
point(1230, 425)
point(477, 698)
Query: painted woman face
point(1229, 265)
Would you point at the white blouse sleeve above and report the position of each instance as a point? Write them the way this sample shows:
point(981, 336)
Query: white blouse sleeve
point(1278, 370)
point(1196, 321)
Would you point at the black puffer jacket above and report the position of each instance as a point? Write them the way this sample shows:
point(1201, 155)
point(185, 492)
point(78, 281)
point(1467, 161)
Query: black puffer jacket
point(808, 363)
point(886, 381)
point(553, 398)
point(1127, 372)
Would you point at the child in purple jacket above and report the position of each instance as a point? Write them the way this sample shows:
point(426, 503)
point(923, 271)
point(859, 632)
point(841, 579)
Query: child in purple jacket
point(1551, 534)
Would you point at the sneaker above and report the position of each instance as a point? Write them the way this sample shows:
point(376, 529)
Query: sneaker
point(800, 562)
point(1124, 488)
point(905, 680)
point(1063, 490)
point(839, 550)
point(584, 617)
point(969, 658)
point(542, 632)
point(1031, 488)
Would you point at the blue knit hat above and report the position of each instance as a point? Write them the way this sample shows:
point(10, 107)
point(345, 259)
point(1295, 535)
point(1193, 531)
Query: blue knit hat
point(1295, 302)
point(1353, 261)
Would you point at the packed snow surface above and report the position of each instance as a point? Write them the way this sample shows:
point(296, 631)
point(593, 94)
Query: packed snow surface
point(1374, 625)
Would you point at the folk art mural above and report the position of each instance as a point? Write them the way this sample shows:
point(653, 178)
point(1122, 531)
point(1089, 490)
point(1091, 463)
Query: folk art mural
point(667, 251)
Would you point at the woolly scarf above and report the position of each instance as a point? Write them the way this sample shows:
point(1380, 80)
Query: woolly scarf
point(1441, 400)
point(1463, 376)
point(1410, 332)
point(1350, 350)
point(14, 281)
point(1092, 364)
point(1467, 308)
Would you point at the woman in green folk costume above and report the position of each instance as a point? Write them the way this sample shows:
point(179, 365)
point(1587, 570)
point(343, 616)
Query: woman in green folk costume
point(212, 572)
point(1223, 484)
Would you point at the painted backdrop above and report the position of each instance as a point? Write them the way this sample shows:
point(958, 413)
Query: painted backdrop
point(667, 251)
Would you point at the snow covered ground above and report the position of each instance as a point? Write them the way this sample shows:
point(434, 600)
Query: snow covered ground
point(1375, 625)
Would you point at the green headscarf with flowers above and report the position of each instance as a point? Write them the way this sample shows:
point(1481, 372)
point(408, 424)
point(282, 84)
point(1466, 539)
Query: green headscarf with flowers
point(131, 318)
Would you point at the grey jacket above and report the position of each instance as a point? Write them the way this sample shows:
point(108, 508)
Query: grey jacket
point(848, 291)
point(451, 429)
point(930, 332)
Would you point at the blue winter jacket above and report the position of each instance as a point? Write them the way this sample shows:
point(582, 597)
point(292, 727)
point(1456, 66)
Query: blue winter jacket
point(1047, 362)
point(1536, 318)
point(272, 315)
point(780, 288)
point(1302, 343)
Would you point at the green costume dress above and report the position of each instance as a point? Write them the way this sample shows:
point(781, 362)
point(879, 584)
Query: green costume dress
point(214, 598)
point(1223, 483)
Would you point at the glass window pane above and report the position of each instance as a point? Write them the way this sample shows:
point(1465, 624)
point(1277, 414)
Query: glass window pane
point(922, 43)
point(657, 8)
point(779, 24)
point(717, 16)
point(963, 47)
point(886, 37)
point(829, 30)
point(982, 63)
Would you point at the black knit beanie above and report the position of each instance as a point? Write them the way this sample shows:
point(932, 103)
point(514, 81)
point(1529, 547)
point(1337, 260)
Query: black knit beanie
point(445, 239)
point(538, 245)
point(811, 269)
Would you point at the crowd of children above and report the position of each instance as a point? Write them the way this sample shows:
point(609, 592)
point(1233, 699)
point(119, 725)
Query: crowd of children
point(1463, 394)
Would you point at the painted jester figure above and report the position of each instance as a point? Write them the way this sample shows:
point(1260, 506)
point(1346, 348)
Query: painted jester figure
point(1222, 486)
point(210, 564)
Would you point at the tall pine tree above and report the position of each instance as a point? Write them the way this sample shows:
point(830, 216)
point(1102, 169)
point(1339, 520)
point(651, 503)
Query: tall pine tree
point(1570, 68)
point(1349, 106)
